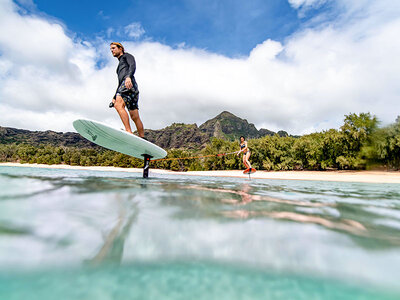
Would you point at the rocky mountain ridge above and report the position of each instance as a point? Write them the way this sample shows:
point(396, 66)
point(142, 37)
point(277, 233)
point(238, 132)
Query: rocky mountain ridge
point(10, 135)
point(228, 126)
point(178, 135)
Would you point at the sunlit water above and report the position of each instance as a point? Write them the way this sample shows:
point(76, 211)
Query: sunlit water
point(69, 234)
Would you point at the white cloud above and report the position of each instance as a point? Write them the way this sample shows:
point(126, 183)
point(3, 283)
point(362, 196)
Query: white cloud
point(307, 83)
point(306, 3)
point(26, 4)
point(109, 32)
point(134, 30)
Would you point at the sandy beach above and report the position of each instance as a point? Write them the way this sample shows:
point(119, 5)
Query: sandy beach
point(341, 176)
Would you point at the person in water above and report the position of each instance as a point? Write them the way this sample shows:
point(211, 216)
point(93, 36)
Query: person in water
point(127, 94)
point(246, 152)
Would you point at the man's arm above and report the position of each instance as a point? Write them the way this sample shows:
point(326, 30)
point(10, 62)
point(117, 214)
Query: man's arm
point(132, 65)
point(131, 71)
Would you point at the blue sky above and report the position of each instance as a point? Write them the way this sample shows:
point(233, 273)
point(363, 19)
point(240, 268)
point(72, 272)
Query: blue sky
point(229, 27)
point(294, 65)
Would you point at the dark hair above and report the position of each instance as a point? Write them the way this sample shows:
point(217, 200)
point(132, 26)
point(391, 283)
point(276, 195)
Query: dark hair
point(242, 137)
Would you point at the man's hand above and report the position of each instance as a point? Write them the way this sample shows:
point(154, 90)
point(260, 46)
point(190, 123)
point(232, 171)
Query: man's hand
point(112, 103)
point(128, 83)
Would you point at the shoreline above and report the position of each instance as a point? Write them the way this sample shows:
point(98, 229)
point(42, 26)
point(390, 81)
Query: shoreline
point(338, 176)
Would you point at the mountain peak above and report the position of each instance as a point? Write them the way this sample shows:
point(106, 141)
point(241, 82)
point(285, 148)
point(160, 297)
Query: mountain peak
point(226, 114)
point(227, 125)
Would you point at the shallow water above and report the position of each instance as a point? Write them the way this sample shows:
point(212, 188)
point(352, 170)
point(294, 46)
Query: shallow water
point(72, 234)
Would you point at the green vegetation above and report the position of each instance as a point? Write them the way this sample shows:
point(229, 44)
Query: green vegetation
point(358, 144)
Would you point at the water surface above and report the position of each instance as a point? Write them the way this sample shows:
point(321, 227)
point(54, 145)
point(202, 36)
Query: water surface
point(73, 234)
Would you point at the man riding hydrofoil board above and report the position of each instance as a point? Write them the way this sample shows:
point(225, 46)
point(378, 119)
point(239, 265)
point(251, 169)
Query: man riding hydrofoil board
point(127, 94)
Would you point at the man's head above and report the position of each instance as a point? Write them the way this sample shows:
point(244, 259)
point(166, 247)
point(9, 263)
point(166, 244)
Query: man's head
point(117, 49)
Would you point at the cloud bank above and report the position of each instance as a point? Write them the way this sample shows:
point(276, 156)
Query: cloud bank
point(305, 84)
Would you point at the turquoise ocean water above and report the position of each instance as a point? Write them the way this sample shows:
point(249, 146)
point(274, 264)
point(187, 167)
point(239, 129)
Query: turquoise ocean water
point(72, 234)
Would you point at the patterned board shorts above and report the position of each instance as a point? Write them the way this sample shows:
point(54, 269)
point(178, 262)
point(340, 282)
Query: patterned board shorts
point(130, 96)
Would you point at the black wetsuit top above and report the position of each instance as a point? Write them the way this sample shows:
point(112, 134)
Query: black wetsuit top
point(126, 68)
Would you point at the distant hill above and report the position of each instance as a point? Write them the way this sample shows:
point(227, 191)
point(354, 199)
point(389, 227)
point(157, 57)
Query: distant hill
point(226, 126)
point(178, 135)
point(11, 135)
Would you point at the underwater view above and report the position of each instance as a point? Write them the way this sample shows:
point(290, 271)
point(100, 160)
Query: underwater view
point(80, 234)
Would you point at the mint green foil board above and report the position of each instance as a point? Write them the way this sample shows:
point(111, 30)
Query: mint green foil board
point(117, 139)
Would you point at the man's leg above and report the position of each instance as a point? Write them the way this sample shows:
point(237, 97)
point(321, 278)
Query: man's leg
point(120, 107)
point(139, 125)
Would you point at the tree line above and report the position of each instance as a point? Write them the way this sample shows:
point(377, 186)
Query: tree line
point(359, 144)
